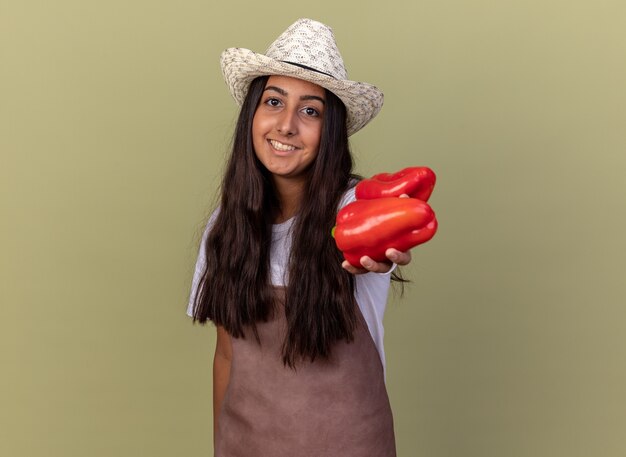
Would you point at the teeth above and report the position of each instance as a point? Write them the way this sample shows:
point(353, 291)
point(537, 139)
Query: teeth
point(281, 147)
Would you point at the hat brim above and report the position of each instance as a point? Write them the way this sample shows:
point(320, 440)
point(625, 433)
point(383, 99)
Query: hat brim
point(240, 66)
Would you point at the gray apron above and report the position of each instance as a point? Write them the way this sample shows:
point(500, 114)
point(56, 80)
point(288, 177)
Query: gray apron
point(336, 407)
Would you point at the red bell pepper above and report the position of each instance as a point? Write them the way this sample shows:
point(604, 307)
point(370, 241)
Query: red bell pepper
point(370, 227)
point(416, 182)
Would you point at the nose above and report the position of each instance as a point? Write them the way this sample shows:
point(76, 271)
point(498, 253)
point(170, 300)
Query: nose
point(286, 123)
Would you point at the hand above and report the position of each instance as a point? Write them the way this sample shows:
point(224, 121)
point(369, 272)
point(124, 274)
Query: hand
point(370, 266)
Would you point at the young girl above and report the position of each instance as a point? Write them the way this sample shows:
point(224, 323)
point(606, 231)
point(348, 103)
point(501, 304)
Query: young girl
point(299, 360)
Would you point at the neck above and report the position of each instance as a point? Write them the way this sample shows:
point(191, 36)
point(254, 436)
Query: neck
point(289, 195)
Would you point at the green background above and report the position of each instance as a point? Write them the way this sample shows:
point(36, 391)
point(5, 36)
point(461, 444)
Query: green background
point(114, 122)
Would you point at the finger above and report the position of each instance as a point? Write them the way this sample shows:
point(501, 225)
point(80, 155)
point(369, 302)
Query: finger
point(375, 267)
point(399, 257)
point(352, 269)
point(369, 266)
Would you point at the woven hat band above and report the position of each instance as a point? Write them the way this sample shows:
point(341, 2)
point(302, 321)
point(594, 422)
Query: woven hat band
point(308, 68)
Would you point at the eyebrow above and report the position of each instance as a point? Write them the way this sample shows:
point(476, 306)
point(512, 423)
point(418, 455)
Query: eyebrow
point(304, 97)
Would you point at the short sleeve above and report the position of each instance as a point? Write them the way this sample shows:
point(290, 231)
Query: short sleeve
point(348, 197)
point(200, 264)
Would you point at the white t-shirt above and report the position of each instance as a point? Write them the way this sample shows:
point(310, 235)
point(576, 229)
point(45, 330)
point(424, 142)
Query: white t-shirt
point(371, 289)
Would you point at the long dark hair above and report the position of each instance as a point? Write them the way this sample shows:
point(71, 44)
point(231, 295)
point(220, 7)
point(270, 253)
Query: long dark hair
point(235, 289)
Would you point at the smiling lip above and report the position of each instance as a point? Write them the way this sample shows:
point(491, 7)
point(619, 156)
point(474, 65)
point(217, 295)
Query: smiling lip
point(281, 148)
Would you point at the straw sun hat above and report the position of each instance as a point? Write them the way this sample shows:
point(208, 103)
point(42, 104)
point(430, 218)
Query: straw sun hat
point(306, 50)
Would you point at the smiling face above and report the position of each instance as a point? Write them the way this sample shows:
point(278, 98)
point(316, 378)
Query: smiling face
point(287, 127)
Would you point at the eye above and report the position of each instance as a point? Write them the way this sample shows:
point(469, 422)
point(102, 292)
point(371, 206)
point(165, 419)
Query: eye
point(311, 111)
point(272, 102)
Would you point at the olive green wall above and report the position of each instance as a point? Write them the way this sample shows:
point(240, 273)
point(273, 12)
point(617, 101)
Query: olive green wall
point(114, 119)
